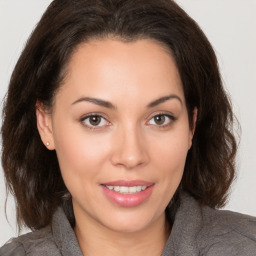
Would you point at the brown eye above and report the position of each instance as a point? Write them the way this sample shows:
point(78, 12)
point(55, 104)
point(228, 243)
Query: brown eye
point(94, 120)
point(160, 119)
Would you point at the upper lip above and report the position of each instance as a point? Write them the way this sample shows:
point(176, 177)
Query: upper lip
point(128, 183)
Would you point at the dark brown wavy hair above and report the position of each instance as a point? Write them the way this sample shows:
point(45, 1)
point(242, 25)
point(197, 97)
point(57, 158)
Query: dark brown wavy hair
point(32, 172)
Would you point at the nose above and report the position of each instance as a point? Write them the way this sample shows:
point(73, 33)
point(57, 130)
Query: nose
point(130, 148)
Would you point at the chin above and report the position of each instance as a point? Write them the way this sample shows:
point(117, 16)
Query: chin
point(130, 223)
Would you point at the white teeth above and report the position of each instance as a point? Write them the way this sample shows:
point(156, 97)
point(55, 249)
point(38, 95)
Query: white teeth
point(132, 190)
point(123, 190)
point(127, 190)
point(139, 188)
point(116, 188)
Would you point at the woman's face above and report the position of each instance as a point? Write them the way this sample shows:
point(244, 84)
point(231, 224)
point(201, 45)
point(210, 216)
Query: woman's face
point(120, 129)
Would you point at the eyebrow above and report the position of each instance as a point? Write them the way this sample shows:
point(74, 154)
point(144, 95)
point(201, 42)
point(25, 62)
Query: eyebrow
point(109, 105)
point(163, 99)
point(99, 102)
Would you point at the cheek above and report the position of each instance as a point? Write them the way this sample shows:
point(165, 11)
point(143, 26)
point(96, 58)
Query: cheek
point(80, 154)
point(171, 152)
point(169, 159)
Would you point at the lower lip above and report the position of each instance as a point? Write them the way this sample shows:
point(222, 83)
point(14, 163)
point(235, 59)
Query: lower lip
point(128, 200)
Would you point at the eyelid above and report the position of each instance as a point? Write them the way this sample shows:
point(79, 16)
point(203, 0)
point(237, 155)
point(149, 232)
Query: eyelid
point(91, 127)
point(167, 114)
point(161, 112)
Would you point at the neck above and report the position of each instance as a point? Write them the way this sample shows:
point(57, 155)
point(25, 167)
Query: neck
point(99, 240)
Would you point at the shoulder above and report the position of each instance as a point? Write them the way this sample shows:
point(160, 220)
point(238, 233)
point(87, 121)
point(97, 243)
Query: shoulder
point(37, 243)
point(227, 233)
point(12, 249)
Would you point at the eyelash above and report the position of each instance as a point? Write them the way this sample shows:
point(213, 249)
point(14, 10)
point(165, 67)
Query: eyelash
point(93, 127)
point(170, 117)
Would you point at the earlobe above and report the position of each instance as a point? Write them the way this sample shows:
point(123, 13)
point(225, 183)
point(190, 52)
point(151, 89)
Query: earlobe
point(44, 125)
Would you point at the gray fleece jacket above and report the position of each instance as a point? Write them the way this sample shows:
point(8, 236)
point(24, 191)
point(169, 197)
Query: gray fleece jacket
point(197, 231)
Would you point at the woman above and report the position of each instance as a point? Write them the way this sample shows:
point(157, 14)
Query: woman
point(117, 136)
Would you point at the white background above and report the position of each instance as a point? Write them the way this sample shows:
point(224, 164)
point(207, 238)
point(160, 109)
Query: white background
point(230, 26)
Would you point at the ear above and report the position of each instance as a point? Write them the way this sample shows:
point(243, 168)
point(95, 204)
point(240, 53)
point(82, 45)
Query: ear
point(44, 125)
point(192, 130)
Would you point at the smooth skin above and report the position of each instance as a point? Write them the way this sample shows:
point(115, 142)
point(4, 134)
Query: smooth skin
point(120, 114)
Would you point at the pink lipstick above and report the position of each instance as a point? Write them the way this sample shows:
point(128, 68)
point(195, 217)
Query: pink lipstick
point(126, 193)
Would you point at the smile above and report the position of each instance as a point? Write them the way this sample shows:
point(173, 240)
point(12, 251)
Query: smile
point(128, 193)
point(126, 189)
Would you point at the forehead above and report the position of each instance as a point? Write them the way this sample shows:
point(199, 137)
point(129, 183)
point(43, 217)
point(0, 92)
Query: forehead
point(112, 68)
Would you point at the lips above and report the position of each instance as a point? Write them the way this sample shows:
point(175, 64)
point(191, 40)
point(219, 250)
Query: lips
point(128, 193)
